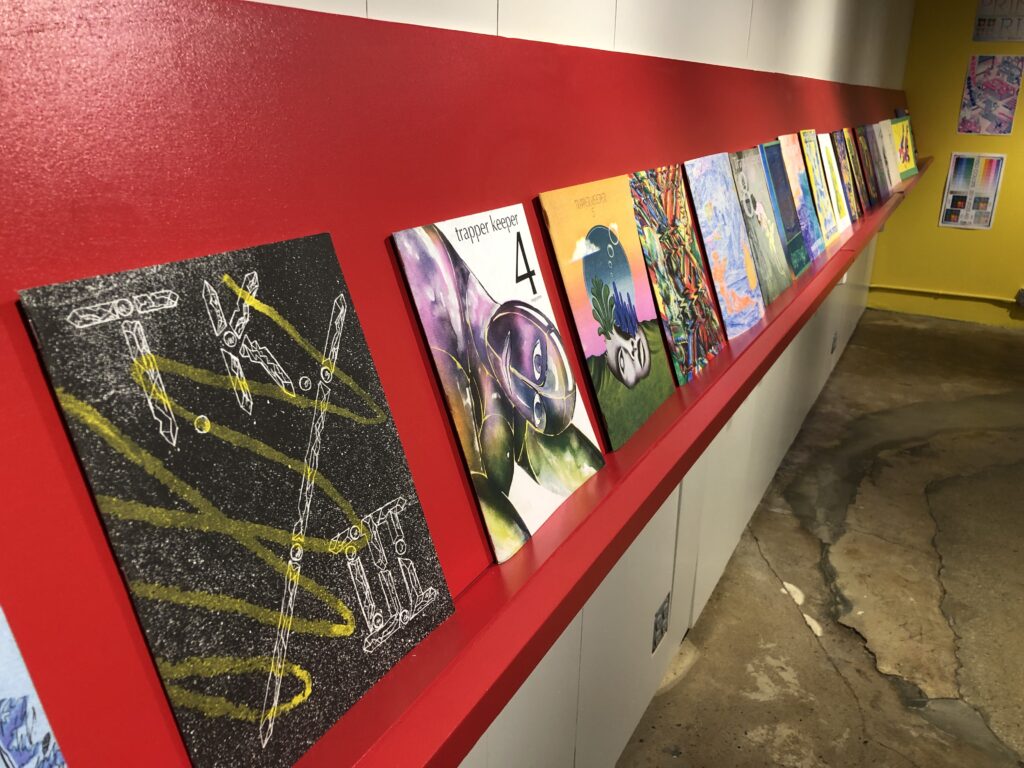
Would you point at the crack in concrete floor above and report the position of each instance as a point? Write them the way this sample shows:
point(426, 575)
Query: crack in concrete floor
point(900, 401)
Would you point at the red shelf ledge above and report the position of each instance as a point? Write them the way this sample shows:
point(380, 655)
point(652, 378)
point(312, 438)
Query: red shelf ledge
point(431, 708)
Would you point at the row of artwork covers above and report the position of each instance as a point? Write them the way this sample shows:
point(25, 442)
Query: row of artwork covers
point(233, 430)
point(642, 298)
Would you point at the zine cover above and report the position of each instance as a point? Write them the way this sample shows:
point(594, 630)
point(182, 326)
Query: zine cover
point(235, 436)
point(787, 218)
point(26, 738)
point(903, 140)
point(867, 163)
point(855, 168)
point(990, 94)
point(676, 269)
point(810, 227)
point(972, 188)
point(593, 230)
point(881, 160)
point(819, 186)
point(773, 272)
point(846, 174)
point(887, 143)
point(836, 190)
point(502, 365)
point(725, 242)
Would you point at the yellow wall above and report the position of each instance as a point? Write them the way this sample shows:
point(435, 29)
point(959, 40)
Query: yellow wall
point(913, 251)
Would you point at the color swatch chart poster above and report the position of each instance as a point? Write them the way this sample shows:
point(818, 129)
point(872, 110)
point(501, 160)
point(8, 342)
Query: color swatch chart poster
point(972, 187)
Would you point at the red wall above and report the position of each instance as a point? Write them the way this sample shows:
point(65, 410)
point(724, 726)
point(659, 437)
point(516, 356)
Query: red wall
point(137, 132)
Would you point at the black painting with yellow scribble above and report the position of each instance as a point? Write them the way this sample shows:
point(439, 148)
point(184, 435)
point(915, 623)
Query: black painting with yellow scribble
point(235, 435)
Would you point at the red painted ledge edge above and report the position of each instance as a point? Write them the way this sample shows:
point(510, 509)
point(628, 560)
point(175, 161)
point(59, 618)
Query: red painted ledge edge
point(432, 707)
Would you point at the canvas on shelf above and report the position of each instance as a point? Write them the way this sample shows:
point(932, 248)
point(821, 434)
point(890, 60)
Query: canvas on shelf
point(836, 191)
point(846, 174)
point(887, 144)
point(867, 163)
point(787, 218)
point(502, 364)
point(682, 289)
point(857, 169)
point(26, 739)
point(235, 436)
point(725, 242)
point(773, 272)
point(880, 159)
point(796, 172)
point(819, 186)
point(593, 230)
point(903, 140)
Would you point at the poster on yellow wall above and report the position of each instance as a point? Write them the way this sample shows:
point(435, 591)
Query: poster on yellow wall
point(972, 187)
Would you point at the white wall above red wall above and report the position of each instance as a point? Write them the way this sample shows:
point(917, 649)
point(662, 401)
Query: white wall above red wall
point(850, 41)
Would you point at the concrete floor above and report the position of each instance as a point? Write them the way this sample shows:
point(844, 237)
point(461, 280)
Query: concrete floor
point(873, 613)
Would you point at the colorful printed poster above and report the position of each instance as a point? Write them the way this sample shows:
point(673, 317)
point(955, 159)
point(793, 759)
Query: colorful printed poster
point(819, 186)
point(887, 143)
point(810, 227)
point(862, 134)
point(773, 272)
point(972, 189)
point(903, 140)
point(725, 242)
point(836, 190)
point(593, 230)
point(787, 218)
point(235, 435)
point(877, 144)
point(676, 269)
point(26, 738)
point(999, 20)
point(846, 174)
point(503, 367)
point(858, 172)
point(990, 94)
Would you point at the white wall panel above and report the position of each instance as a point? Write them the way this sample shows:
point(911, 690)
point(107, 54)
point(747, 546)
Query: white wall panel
point(343, 7)
point(589, 23)
point(537, 727)
point(467, 15)
point(854, 41)
point(618, 672)
point(693, 30)
point(684, 574)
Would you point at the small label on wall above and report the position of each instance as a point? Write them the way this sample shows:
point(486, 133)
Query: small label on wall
point(661, 622)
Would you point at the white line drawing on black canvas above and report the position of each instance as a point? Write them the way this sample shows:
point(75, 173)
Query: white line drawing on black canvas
point(120, 309)
point(383, 525)
point(232, 331)
point(150, 380)
point(329, 359)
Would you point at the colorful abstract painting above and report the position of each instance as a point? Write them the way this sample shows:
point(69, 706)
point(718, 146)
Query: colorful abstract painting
point(26, 739)
point(725, 241)
point(972, 190)
point(773, 272)
point(810, 226)
point(593, 230)
point(819, 186)
point(990, 94)
point(836, 191)
point(676, 269)
point(502, 364)
point(846, 174)
point(903, 140)
point(787, 218)
point(236, 439)
point(858, 171)
point(867, 163)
